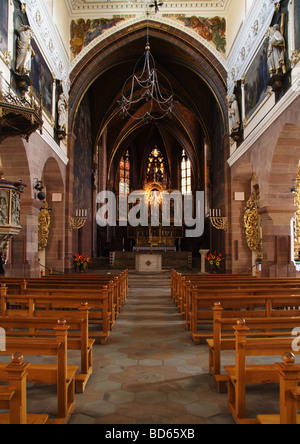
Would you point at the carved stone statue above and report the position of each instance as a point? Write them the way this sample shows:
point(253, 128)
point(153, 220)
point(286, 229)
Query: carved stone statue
point(3, 208)
point(234, 115)
point(24, 50)
point(276, 54)
point(15, 209)
point(62, 113)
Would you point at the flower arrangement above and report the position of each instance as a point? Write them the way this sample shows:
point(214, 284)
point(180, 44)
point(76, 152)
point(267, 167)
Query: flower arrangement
point(82, 261)
point(214, 260)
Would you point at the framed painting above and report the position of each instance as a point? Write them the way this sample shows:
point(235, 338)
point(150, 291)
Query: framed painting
point(3, 25)
point(256, 80)
point(42, 80)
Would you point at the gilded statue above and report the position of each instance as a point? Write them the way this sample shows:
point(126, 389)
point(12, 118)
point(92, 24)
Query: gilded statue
point(252, 222)
point(44, 226)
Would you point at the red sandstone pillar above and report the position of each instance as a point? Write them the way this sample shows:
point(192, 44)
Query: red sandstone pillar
point(276, 238)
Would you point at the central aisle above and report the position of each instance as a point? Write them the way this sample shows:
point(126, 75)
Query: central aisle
point(150, 372)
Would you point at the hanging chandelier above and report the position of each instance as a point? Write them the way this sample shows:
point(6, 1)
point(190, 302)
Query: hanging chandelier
point(143, 96)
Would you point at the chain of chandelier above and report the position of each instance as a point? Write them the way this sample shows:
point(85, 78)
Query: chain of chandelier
point(143, 95)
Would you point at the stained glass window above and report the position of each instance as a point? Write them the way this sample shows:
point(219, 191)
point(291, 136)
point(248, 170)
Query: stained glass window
point(186, 175)
point(125, 174)
point(156, 171)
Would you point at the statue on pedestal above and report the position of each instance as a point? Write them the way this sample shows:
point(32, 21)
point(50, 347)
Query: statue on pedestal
point(276, 57)
point(62, 108)
point(234, 117)
point(276, 54)
point(24, 50)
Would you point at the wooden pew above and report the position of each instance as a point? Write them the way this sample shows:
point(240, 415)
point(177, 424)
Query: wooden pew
point(61, 374)
point(44, 328)
point(14, 397)
point(182, 285)
point(41, 303)
point(224, 340)
point(242, 374)
point(30, 287)
point(189, 288)
point(117, 283)
point(289, 374)
point(262, 303)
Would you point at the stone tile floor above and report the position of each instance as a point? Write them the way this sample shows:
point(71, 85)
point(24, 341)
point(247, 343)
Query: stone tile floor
point(150, 372)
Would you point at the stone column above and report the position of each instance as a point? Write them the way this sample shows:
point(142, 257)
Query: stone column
point(69, 205)
point(276, 238)
point(203, 254)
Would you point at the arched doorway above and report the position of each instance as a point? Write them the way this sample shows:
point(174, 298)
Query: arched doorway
point(51, 237)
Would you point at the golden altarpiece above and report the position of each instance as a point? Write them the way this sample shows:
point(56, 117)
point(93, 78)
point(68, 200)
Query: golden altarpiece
point(156, 236)
point(155, 184)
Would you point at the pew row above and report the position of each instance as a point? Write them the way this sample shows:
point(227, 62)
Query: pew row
point(20, 327)
point(40, 303)
point(117, 284)
point(276, 303)
point(208, 285)
point(224, 339)
point(289, 374)
point(241, 374)
point(14, 396)
point(61, 374)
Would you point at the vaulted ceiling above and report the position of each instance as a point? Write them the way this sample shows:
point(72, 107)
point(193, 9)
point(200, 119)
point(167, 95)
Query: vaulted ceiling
point(198, 82)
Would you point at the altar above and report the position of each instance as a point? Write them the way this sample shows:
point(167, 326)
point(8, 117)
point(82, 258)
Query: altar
point(179, 260)
point(148, 263)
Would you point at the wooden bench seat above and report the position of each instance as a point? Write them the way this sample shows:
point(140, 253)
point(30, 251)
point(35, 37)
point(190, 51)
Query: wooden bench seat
point(42, 303)
point(242, 304)
point(44, 328)
point(117, 284)
point(224, 339)
point(80, 291)
point(183, 285)
point(289, 376)
point(14, 397)
point(241, 374)
point(61, 374)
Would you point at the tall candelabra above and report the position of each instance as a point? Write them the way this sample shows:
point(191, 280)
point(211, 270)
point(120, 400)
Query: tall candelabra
point(79, 221)
point(217, 220)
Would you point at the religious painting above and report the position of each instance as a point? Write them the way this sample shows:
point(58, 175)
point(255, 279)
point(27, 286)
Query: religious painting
point(211, 29)
point(256, 81)
point(42, 80)
point(84, 32)
point(297, 25)
point(3, 25)
point(83, 158)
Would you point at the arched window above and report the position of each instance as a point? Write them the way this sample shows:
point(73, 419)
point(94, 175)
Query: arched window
point(156, 171)
point(125, 174)
point(186, 175)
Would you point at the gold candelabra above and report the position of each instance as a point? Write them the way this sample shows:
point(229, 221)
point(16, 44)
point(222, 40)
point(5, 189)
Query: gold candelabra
point(217, 220)
point(79, 221)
